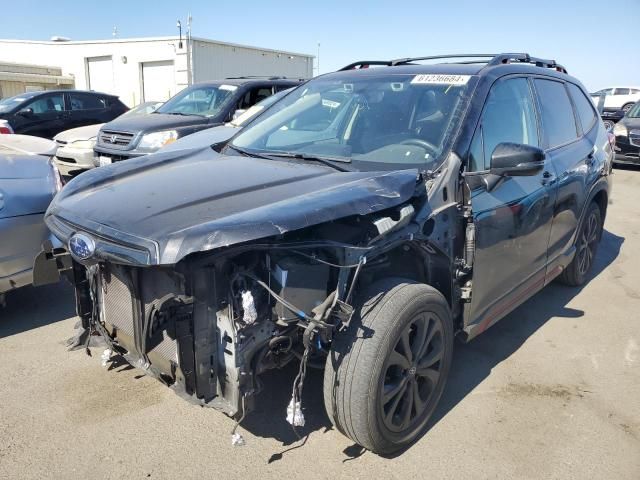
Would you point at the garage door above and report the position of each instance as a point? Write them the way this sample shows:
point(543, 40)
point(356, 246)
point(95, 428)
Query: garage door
point(158, 80)
point(100, 74)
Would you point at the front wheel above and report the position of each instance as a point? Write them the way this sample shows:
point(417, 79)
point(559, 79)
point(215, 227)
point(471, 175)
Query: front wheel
point(386, 373)
point(627, 107)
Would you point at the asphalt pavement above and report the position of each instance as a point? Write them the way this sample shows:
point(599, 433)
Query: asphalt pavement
point(551, 391)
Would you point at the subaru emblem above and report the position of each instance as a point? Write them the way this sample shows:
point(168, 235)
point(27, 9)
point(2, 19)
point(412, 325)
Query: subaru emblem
point(82, 246)
point(113, 138)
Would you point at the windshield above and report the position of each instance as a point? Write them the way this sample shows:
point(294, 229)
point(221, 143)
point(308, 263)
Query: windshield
point(634, 112)
point(206, 101)
point(384, 122)
point(142, 109)
point(8, 104)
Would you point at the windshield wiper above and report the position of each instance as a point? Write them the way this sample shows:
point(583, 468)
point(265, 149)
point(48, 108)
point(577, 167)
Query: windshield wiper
point(181, 113)
point(330, 162)
point(247, 153)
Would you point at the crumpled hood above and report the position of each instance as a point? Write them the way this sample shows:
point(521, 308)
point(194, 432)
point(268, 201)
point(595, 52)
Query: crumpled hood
point(196, 200)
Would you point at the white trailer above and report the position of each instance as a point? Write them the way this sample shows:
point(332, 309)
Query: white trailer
point(139, 69)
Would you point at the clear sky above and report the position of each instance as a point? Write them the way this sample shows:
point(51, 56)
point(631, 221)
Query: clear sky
point(597, 41)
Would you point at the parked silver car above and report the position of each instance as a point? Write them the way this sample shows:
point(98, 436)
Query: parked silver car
point(29, 180)
point(75, 146)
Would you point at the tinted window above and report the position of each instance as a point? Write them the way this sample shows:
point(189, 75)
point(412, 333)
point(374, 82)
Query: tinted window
point(621, 91)
point(584, 107)
point(84, 101)
point(508, 116)
point(50, 103)
point(558, 121)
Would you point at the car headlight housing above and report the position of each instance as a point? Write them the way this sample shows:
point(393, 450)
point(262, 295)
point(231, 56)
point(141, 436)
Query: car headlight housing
point(153, 141)
point(55, 175)
point(619, 130)
point(83, 144)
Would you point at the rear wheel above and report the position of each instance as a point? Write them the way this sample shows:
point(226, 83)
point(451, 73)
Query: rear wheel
point(627, 107)
point(586, 247)
point(386, 373)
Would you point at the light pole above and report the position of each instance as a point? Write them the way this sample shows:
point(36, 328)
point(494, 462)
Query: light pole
point(318, 61)
point(179, 25)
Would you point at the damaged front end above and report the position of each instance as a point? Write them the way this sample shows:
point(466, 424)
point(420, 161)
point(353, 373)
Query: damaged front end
point(211, 323)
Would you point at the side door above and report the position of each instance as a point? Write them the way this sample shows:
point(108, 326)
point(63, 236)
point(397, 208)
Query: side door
point(573, 155)
point(43, 116)
point(512, 215)
point(85, 109)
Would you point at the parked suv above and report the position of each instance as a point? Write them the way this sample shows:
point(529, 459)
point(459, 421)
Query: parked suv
point(201, 106)
point(357, 225)
point(615, 102)
point(627, 133)
point(45, 114)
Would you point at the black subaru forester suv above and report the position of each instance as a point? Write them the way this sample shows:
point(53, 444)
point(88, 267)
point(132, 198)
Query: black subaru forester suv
point(357, 226)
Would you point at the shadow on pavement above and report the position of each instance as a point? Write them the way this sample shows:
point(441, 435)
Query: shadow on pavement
point(31, 307)
point(472, 363)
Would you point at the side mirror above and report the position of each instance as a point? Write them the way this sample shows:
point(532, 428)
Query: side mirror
point(516, 160)
point(238, 112)
point(26, 112)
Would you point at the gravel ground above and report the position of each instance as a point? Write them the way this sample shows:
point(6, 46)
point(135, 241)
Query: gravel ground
point(551, 391)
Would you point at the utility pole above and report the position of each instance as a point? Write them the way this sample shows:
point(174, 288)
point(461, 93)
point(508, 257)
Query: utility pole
point(189, 50)
point(318, 58)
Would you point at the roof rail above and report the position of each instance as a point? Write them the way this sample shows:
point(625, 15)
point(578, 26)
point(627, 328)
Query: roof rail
point(259, 77)
point(491, 59)
point(366, 64)
point(525, 58)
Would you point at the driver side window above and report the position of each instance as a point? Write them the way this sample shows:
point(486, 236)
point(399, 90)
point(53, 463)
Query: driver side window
point(508, 116)
point(47, 104)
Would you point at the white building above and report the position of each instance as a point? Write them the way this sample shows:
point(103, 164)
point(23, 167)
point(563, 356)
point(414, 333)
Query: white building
point(139, 69)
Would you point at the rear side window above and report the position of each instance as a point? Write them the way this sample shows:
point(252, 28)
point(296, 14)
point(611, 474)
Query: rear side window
point(621, 91)
point(508, 116)
point(584, 107)
point(85, 101)
point(558, 120)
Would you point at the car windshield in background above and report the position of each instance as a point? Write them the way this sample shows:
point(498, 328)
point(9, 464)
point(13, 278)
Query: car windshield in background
point(383, 122)
point(204, 101)
point(8, 104)
point(634, 112)
point(142, 109)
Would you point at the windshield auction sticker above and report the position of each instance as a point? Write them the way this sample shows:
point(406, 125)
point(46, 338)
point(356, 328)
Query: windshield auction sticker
point(433, 79)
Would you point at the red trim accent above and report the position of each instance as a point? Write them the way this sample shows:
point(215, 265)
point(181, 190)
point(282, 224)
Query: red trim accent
point(499, 309)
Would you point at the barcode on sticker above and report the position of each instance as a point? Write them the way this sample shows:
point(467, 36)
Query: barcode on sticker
point(433, 79)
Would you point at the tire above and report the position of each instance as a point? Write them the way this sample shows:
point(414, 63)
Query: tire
point(627, 107)
point(586, 247)
point(609, 124)
point(370, 357)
